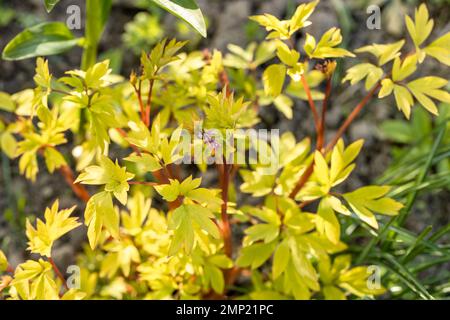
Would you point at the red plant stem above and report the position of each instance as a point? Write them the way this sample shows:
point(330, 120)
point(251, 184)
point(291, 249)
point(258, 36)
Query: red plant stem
point(305, 203)
point(308, 172)
point(141, 103)
point(9, 269)
point(310, 101)
point(144, 183)
point(303, 179)
point(225, 82)
point(78, 189)
point(148, 107)
point(351, 117)
point(58, 273)
point(321, 136)
point(124, 135)
point(225, 223)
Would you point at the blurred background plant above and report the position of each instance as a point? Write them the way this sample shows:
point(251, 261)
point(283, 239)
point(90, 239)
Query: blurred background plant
point(411, 155)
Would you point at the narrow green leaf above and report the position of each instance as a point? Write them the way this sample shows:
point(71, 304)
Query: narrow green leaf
point(413, 282)
point(408, 256)
point(50, 4)
point(44, 39)
point(188, 10)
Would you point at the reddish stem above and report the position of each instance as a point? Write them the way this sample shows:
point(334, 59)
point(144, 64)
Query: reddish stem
point(124, 135)
point(321, 136)
point(78, 189)
point(141, 103)
point(225, 223)
point(310, 101)
point(58, 273)
point(144, 183)
point(303, 179)
point(148, 107)
point(352, 117)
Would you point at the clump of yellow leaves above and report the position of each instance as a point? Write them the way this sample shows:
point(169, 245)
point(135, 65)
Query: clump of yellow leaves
point(395, 81)
point(136, 251)
point(57, 223)
point(284, 29)
point(364, 201)
point(338, 277)
point(194, 216)
point(158, 149)
point(36, 279)
point(326, 47)
point(100, 210)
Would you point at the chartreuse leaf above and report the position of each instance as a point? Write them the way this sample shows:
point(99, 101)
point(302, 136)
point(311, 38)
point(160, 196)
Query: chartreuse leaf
point(121, 254)
point(8, 144)
point(187, 10)
point(360, 71)
point(34, 281)
point(423, 89)
point(286, 55)
point(326, 48)
point(325, 177)
point(6, 102)
point(421, 28)
point(402, 70)
point(284, 29)
point(273, 79)
point(256, 254)
point(278, 28)
point(57, 223)
point(267, 232)
point(53, 159)
point(368, 200)
point(440, 49)
point(251, 57)
point(384, 52)
point(226, 112)
point(43, 80)
point(256, 182)
point(3, 262)
point(327, 223)
point(148, 162)
point(290, 58)
point(339, 279)
point(162, 54)
point(189, 189)
point(44, 39)
point(100, 213)
point(426, 87)
point(99, 105)
point(404, 99)
point(301, 14)
point(284, 104)
point(110, 174)
point(161, 150)
point(186, 220)
point(170, 192)
point(50, 4)
point(281, 259)
point(73, 294)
